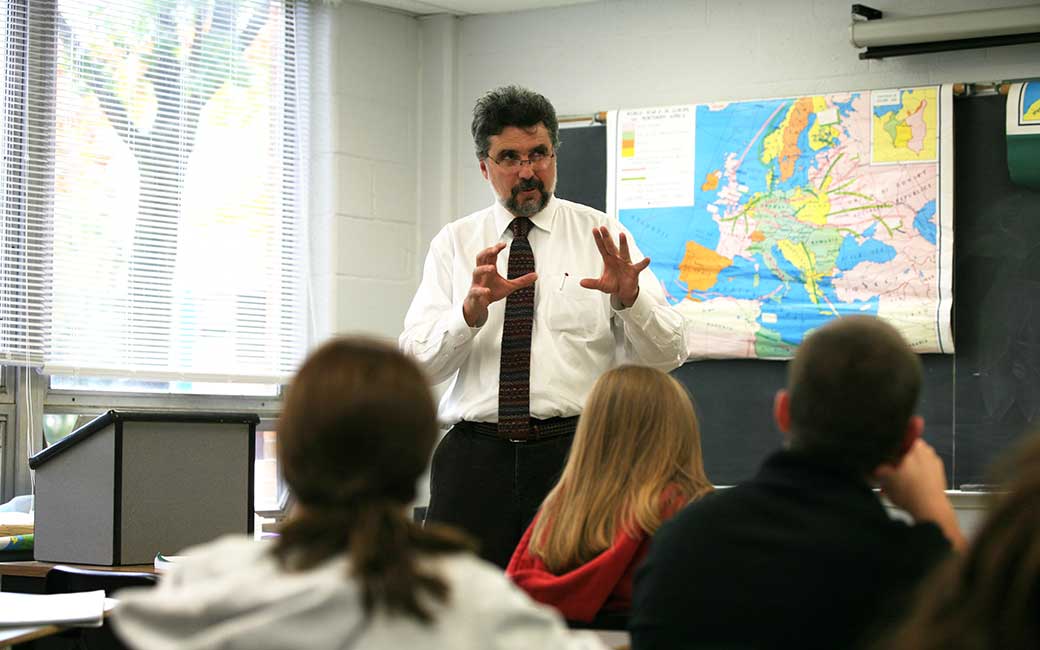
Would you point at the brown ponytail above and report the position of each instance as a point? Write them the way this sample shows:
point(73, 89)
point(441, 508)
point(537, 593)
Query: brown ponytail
point(355, 434)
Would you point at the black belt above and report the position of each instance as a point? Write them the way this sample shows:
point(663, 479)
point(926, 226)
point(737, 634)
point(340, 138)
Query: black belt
point(540, 429)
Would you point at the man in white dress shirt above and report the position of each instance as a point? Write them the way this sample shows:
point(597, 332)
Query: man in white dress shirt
point(565, 302)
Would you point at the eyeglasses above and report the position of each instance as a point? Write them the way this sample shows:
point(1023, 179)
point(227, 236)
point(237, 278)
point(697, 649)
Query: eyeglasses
point(537, 160)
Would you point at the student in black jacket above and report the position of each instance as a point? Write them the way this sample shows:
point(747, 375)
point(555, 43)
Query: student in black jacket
point(988, 597)
point(804, 555)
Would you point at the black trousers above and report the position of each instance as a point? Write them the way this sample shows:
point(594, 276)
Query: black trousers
point(491, 487)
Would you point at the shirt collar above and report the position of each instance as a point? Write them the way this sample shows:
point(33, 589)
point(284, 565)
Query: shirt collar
point(543, 219)
point(788, 465)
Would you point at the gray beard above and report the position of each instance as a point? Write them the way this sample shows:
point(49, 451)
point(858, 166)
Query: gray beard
point(527, 208)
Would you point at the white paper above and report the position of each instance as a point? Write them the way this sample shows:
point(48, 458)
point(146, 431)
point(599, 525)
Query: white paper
point(654, 157)
point(22, 610)
point(164, 562)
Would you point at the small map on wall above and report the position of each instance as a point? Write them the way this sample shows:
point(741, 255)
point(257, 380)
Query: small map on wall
point(1029, 105)
point(766, 219)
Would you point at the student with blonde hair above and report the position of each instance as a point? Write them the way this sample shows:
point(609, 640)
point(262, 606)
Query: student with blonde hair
point(989, 598)
point(350, 569)
point(635, 461)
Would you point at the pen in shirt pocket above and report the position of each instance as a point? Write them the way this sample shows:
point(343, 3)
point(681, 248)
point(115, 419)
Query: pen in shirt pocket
point(563, 280)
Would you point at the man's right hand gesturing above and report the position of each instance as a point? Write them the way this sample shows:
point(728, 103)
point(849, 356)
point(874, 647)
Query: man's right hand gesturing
point(489, 286)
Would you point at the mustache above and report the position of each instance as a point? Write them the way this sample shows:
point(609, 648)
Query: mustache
point(528, 184)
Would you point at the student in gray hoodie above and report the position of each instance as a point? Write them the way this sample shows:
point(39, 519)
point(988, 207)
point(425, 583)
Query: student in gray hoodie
point(350, 570)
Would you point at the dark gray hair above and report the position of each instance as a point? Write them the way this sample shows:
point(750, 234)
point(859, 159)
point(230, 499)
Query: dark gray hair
point(511, 106)
point(854, 384)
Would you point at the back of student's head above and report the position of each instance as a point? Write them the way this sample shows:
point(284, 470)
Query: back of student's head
point(356, 431)
point(637, 444)
point(853, 386)
point(358, 423)
point(989, 597)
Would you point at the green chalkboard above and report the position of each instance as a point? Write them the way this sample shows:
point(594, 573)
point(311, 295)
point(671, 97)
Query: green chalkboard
point(996, 293)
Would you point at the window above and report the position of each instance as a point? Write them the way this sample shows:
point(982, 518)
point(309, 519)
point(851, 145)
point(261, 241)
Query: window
point(152, 193)
point(269, 491)
point(153, 190)
point(58, 425)
point(126, 385)
point(3, 454)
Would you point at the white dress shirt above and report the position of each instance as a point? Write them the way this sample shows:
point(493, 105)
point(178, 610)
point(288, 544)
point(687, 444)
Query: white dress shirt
point(577, 334)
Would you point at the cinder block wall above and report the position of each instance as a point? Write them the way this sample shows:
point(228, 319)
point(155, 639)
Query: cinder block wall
point(640, 53)
point(366, 155)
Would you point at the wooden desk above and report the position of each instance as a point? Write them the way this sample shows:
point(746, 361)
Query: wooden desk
point(27, 576)
point(34, 569)
point(13, 635)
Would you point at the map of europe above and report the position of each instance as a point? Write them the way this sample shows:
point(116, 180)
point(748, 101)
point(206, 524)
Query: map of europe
point(789, 213)
point(1031, 102)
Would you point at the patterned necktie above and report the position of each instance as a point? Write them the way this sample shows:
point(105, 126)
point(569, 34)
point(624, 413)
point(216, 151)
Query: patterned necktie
point(514, 379)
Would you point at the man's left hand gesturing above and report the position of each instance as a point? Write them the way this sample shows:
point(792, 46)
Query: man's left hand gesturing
point(620, 276)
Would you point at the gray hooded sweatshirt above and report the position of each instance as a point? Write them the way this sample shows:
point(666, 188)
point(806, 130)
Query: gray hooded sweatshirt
point(233, 594)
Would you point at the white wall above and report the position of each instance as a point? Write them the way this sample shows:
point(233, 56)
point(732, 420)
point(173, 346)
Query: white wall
point(639, 53)
point(365, 138)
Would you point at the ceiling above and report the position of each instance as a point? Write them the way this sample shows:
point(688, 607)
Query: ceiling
point(466, 7)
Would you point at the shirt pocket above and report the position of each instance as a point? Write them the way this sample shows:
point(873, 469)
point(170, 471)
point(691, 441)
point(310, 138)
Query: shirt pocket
point(575, 309)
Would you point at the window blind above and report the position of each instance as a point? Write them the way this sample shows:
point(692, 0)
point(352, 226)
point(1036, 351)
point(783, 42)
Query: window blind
point(154, 188)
